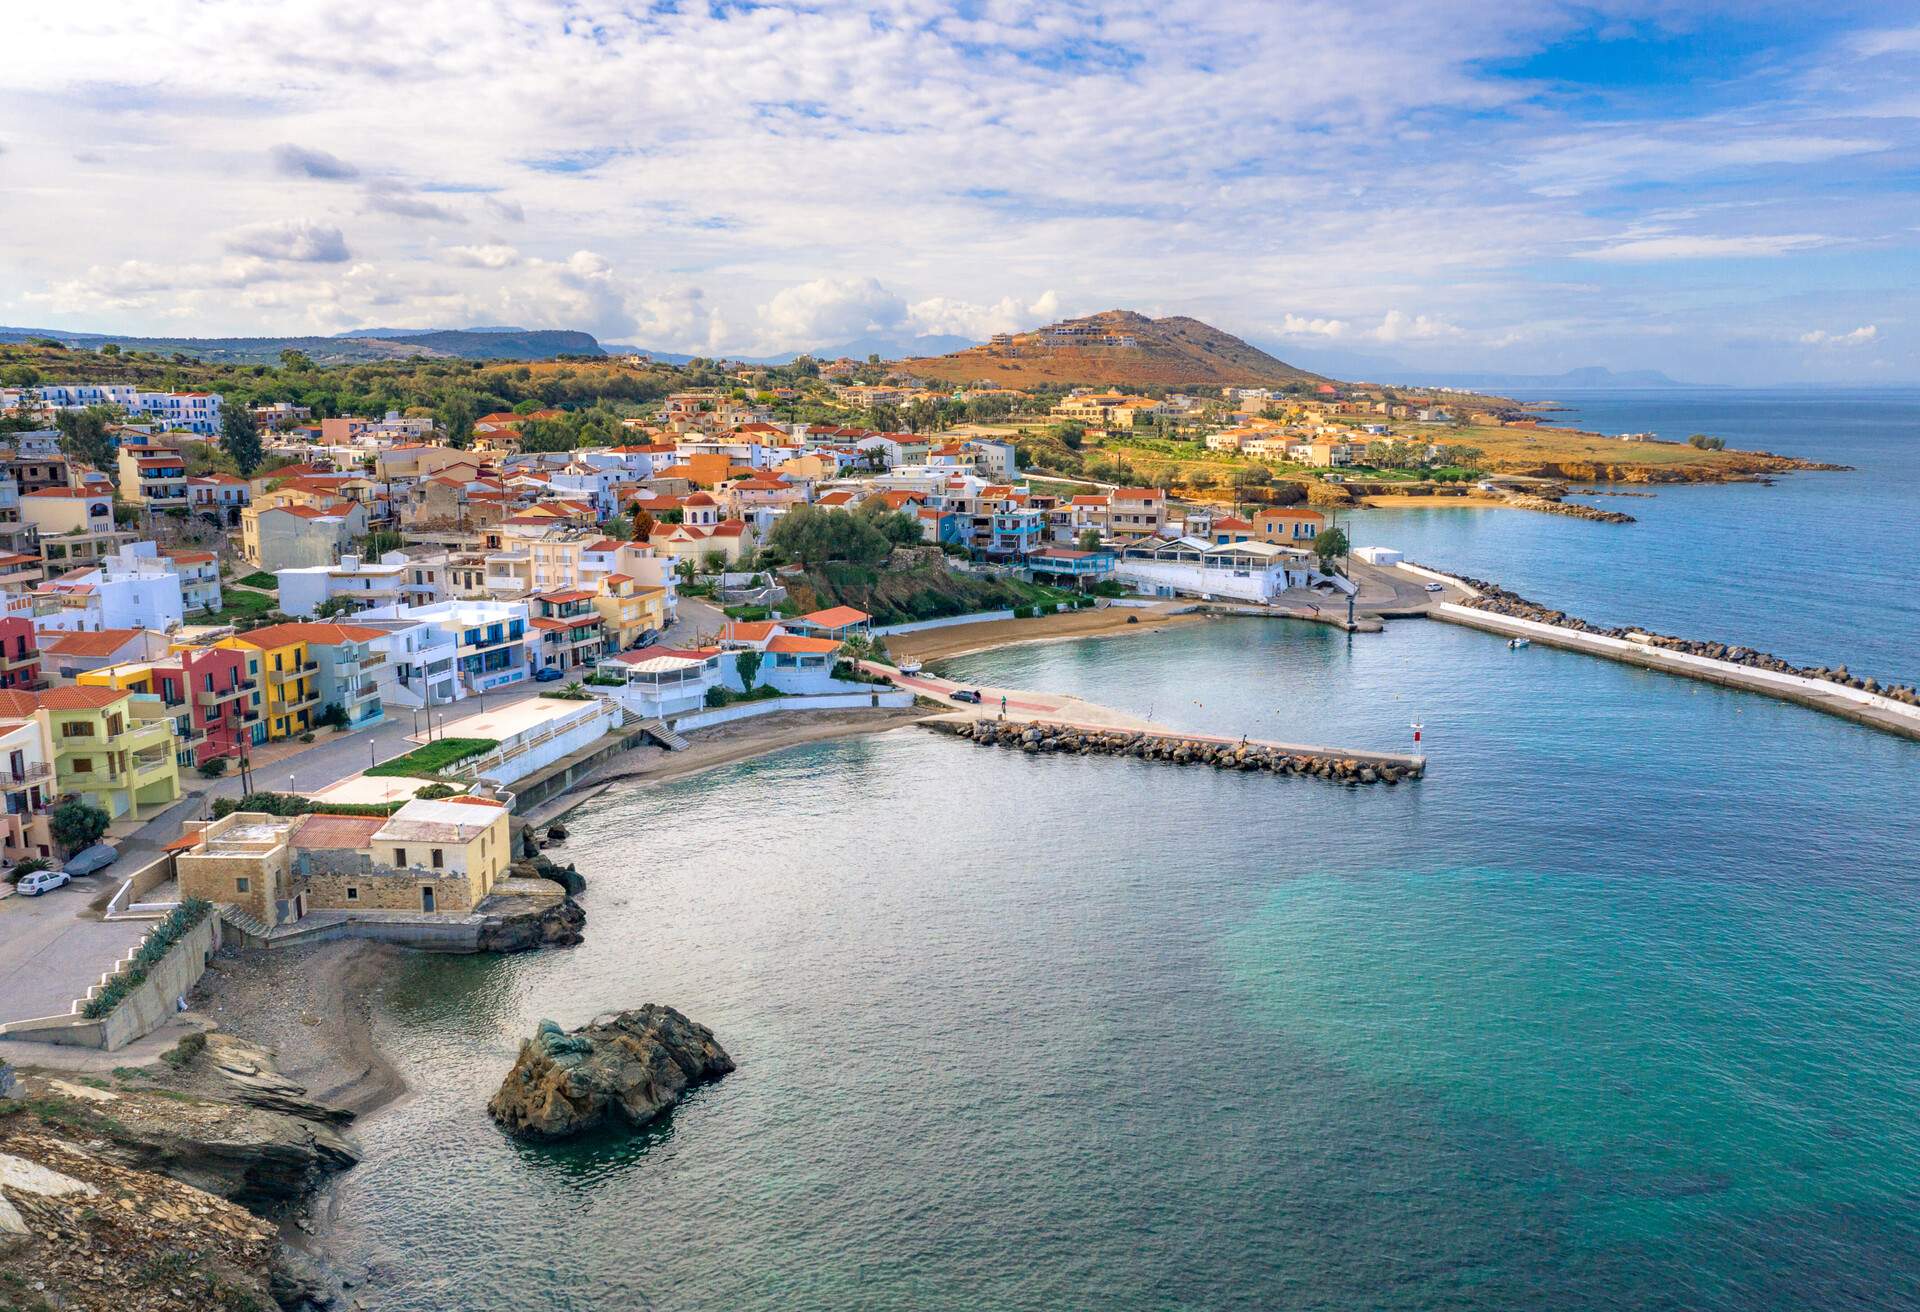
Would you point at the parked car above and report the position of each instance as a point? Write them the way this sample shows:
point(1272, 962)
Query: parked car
point(646, 639)
point(969, 695)
point(548, 675)
point(1436, 587)
point(90, 859)
point(41, 881)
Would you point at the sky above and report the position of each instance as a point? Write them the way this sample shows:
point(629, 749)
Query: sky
point(1725, 193)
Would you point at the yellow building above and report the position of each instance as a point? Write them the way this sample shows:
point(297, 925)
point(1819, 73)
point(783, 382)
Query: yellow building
point(289, 676)
point(110, 746)
point(629, 608)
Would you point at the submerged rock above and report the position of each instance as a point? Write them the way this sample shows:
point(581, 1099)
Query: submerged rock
point(627, 1067)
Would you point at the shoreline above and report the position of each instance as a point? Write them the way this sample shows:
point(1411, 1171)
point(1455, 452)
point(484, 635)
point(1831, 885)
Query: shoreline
point(991, 635)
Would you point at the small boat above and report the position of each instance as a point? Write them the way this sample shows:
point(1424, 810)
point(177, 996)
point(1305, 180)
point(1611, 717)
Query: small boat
point(909, 667)
point(1515, 644)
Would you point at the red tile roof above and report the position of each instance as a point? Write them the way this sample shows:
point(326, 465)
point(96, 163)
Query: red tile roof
point(787, 644)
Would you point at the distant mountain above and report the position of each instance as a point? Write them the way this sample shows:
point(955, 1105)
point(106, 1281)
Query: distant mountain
point(378, 344)
point(1112, 348)
point(888, 346)
point(1590, 378)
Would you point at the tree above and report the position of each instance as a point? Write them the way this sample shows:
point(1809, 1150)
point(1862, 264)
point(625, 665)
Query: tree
point(77, 823)
point(748, 665)
point(292, 359)
point(1089, 539)
point(335, 607)
point(84, 435)
point(1705, 443)
point(1327, 544)
point(111, 348)
point(455, 418)
point(240, 439)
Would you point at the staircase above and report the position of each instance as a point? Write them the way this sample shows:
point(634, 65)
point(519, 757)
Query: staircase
point(660, 731)
point(245, 921)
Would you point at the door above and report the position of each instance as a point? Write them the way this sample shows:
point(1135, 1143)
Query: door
point(426, 899)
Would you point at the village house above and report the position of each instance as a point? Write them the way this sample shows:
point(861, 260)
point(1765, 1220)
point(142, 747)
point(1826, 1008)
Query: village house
point(288, 537)
point(109, 746)
point(75, 527)
point(213, 695)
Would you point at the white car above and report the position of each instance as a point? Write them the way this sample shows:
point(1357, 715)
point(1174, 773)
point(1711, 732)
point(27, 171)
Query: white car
point(41, 881)
point(1436, 587)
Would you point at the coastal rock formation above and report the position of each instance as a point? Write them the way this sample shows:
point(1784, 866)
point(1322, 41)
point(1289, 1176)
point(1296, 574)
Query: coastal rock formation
point(628, 1067)
point(1573, 510)
point(262, 1159)
point(1499, 601)
point(79, 1230)
point(1039, 737)
point(539, 866)
point(527, 923)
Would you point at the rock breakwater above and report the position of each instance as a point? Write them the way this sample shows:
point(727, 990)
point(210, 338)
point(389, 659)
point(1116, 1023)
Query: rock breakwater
point(1499, 601)
point(1573, 510)
point(1178, 749)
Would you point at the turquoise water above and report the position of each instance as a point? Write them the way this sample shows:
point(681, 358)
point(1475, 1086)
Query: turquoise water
point(1615, 1009)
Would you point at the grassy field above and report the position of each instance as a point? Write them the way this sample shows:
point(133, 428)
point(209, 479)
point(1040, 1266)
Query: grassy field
point(240, 605)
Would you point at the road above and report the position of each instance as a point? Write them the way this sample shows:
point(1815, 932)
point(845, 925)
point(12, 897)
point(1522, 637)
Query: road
point(50, 953)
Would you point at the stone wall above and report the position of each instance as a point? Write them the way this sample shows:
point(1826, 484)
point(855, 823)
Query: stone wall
point(213, 878)
point(141, 1011)
point(328, 875)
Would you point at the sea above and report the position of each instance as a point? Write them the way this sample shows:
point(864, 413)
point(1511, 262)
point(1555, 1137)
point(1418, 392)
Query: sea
point(1616, 1009)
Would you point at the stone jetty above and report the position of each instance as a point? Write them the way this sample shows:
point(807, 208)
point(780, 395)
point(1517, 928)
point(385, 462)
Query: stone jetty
point(1497, 600)
point(1041, 737)
point(1572, 509)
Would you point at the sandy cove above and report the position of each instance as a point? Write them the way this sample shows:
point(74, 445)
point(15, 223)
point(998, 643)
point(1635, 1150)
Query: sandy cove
point(966, 639)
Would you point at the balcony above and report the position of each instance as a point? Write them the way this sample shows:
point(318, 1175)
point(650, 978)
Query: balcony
point(292, 673)
point(292, 700)
point(214, 698)
point(31, 773)
point(15, 660)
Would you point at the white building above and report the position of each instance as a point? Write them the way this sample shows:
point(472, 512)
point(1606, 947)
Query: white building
point(366, 583)
point(1191, 567)
point(131, 589)
point(532, 734)
point(199, 574)
point(422, 657)
point(661, 682)
point(489, 637)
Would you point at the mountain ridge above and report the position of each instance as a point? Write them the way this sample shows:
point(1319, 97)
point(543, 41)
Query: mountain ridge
point(521, 344)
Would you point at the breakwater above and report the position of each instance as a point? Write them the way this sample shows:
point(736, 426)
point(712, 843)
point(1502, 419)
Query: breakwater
point(1574, 510)
point(1499, 601)
point(1042, 737)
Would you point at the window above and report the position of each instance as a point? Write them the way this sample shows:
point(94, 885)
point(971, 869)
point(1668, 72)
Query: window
point(353, 894)
point(439, 859)
point(242, 884)
point(83, 765)
point(76, 729)
point(400, 856)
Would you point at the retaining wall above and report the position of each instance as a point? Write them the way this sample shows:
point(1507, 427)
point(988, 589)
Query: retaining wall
point(839, 701)
point(142, 1011)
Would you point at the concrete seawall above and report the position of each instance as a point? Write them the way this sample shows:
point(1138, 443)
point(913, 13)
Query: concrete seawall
point(1834, 699)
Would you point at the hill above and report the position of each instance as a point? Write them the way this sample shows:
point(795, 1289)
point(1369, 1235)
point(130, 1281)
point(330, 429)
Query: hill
point(518, 344)
point(1115, 348)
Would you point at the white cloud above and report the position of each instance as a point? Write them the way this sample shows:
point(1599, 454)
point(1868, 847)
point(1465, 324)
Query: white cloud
point(1860, 336)
point(1705, 248)
point(491, 256)
point(293, 239)
point(1398, 326)
point(1009, 314)
point(1297, 326)
point(829, 310)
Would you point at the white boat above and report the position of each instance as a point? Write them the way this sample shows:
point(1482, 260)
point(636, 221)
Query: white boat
point(909, 667)
point(1515, 644)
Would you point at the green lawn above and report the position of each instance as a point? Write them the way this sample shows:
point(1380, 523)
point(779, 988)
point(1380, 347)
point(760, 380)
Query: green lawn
point(259, 579)
point(428, 761)
point(240, 605)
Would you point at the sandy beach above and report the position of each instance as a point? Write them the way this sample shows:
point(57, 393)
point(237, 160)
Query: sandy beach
point(1428, 502)
point(965, 639)
point(311, 1007)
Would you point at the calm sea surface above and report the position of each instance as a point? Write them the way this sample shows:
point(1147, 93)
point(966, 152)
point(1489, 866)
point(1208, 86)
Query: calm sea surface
point(1616, 1009)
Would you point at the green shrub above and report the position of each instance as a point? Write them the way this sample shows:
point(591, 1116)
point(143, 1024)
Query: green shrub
point(434, 791)
point(1049, 608)
point(290, 804)
point(259, 579)
point(160, 940)
point(214, 768)
point(1023, 612)
point(27, 867)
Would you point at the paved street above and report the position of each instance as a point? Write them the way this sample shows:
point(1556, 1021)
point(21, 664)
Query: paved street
point(49, 954)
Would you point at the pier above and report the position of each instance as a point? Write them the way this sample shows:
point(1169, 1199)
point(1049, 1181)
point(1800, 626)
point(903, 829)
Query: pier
point(1849, 703)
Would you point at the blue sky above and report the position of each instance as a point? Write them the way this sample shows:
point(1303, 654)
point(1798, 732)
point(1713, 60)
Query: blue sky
point(1389, 187)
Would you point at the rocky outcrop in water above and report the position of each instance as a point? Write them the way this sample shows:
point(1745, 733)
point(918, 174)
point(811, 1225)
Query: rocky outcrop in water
point(627, 1068)
point(1572, 509)
point(1174, 749)
point(1499, 601)
point(522, 924)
